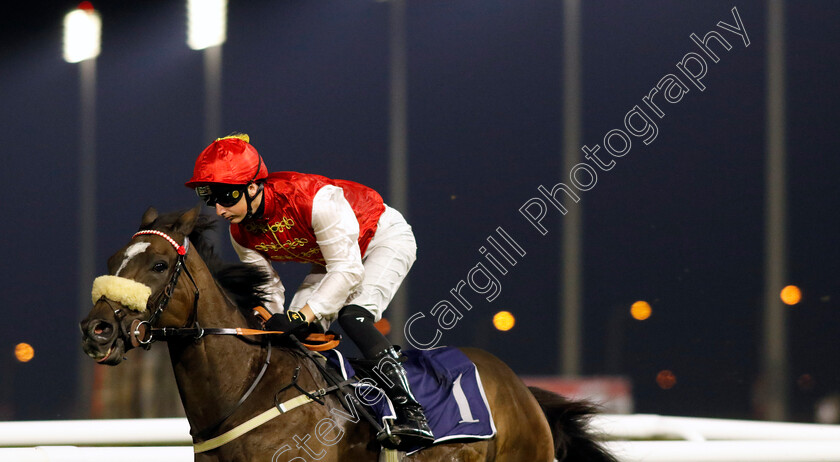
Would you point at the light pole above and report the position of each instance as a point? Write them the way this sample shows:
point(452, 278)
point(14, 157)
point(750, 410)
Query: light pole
point(82, 38)
point(398, 143)
point(775, 364)
point(570, 297)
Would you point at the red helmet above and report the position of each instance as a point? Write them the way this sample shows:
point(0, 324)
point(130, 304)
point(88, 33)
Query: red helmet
point(228, 160)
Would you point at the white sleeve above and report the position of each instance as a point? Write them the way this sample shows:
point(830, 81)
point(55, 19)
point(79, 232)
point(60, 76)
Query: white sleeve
point(337, 232)
point(274, 290)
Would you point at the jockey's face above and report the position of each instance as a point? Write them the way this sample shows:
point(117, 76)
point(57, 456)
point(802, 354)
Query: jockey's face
point(237, 212)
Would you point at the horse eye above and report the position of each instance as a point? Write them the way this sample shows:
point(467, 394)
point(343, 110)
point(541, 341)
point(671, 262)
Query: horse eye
point(160, 267)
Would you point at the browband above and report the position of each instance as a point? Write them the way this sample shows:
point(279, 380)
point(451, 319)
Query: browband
point(181, 249)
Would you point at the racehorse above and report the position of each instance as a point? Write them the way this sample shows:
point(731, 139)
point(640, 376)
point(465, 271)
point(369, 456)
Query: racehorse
point(226, 380)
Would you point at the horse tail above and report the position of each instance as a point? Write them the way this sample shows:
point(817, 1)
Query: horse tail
point(569, 422)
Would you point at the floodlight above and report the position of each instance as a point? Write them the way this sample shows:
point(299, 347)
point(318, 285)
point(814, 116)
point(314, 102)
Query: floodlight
point(206, 23)
point(82, 33)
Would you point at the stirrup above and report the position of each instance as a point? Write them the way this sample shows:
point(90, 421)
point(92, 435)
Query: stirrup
point(389, 439)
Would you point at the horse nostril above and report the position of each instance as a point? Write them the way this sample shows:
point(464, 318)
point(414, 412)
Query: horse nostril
point(101, 330)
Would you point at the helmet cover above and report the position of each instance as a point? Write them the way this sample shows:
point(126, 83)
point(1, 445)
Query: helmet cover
point(228, 160)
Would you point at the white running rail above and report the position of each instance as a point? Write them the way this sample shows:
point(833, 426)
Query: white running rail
point(725, 451)
point(703, 440)
point(647, 426)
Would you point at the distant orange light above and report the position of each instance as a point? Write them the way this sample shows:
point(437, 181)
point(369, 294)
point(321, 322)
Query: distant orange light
point(791, 295)
point(24, 352)
point(641, 310)
point(383, 326)
point(87, 6)
point(666, 379)
point(504, 320)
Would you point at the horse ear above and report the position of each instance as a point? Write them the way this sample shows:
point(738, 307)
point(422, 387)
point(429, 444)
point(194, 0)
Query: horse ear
point(149, 217)
point(186, 222)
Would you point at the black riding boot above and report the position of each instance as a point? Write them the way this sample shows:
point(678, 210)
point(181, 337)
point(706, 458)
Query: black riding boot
point(410, 428)
point(382, 365)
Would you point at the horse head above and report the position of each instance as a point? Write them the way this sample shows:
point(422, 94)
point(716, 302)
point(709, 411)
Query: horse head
point(142, 279)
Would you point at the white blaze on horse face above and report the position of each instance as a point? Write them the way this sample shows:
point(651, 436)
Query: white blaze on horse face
point(132, 251)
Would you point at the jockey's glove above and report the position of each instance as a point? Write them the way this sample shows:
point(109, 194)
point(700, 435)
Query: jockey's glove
point(291, 322)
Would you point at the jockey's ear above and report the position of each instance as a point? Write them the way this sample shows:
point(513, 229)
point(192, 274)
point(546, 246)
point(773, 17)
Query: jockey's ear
point(149, 217)
point(186, 222)
point(253, 189)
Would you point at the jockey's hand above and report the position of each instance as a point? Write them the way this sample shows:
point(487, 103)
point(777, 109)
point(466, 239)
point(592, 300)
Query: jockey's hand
point(291, 322)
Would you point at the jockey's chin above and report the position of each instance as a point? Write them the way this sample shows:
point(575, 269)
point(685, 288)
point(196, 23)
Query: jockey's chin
point(233, 219)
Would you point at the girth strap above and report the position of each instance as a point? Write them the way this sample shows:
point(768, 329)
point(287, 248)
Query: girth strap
point(251, 424)
point(280, 408)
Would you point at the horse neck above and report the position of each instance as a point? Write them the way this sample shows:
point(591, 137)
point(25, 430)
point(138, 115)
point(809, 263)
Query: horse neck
point(214, 372)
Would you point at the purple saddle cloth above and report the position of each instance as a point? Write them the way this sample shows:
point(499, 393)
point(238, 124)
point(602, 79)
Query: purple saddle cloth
point(447, 385)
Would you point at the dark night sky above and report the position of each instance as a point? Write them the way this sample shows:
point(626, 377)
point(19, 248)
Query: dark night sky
point(678, 222)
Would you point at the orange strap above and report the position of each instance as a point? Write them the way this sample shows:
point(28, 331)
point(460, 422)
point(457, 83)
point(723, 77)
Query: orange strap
point(262, 313)
point(327, 342)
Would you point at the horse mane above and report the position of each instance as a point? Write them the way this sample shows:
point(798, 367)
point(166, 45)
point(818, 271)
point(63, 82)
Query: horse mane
point(240, 281)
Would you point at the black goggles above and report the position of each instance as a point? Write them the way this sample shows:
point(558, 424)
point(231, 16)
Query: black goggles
point(224, 195)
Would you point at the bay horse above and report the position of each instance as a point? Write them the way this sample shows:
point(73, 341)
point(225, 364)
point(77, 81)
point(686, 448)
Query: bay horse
point(225, 380)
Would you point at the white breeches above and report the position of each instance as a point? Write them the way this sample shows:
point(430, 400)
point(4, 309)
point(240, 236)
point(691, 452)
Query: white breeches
point(387, 260)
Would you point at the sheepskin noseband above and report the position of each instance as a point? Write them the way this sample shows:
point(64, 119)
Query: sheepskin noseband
point(130, 293)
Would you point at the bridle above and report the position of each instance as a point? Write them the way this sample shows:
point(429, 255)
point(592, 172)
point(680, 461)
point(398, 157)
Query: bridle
point(143, 333)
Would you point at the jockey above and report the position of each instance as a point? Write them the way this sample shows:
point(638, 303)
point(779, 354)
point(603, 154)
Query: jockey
point(360, 250)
